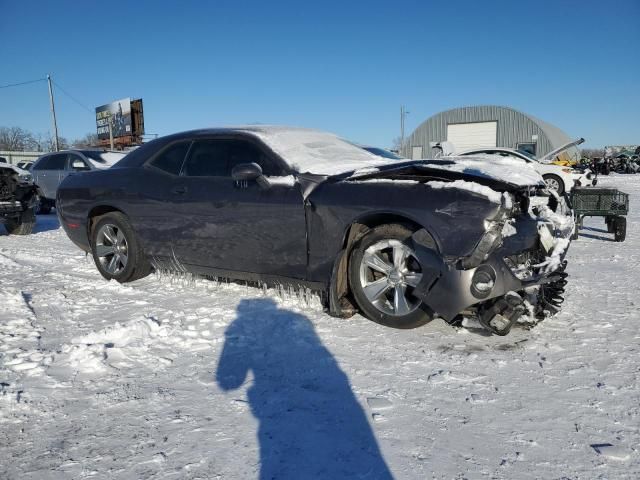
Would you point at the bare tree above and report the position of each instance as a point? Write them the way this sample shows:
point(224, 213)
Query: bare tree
point(15, 139)
point(592, 152)
point(89, 140)
point(396, 144)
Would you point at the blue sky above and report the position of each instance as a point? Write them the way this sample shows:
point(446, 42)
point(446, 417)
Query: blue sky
point(339, 66)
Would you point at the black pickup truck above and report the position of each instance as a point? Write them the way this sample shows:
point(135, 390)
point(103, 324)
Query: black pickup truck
point(18, 200)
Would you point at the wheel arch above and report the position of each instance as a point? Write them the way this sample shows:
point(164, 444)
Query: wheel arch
point(96, 212)
point(340, 303)
point(369, 220)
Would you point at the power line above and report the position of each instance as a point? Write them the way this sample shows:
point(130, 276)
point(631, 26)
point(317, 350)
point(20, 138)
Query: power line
point(90, 110)
point(23, 83)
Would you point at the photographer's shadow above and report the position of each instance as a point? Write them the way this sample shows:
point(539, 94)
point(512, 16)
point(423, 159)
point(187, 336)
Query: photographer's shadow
point(311, 425)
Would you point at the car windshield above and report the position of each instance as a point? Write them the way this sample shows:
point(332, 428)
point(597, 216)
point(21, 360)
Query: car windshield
point(527, 154)
point(313, 151)
point(100, 159)
point(381, 152)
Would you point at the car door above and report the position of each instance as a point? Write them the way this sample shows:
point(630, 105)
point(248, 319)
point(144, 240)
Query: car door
point(48, 174)
point(239, 226)
point(150, 202)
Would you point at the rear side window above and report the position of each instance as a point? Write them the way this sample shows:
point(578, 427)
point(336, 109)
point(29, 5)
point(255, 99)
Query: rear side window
point(216, 158)
point(53, 162)
point(170, 160)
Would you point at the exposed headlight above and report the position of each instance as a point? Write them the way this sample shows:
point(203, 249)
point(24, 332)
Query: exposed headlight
point(25, 178)
point(489, 242)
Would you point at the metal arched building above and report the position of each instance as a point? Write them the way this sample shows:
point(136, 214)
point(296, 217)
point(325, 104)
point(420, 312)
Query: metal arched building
point(485, 126)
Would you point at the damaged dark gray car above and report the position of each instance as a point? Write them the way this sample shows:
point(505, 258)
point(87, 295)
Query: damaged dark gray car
point(399, 241)
point(18, 200)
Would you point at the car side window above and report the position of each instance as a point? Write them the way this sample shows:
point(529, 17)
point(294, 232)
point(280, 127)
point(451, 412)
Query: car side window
point(245, 152)
point(171, 159)
point(55, 162)
point(217, 157)
point(207, 158)
point(41, 164)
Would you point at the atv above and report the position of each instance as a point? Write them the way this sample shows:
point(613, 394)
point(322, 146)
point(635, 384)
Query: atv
point(18, 200)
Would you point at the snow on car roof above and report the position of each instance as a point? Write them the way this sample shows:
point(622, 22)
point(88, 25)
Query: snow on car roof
point(314, 151)
point(103, 159)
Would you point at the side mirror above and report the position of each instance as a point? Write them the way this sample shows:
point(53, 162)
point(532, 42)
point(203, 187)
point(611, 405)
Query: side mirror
point(246, 172)
point(79, 165)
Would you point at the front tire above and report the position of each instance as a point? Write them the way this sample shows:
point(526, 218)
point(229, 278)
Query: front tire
point(554, 183)
point(116, 250)
point(383, 271)
point(23, 225)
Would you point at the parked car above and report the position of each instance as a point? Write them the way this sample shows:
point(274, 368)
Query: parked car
point(400, 241)
point(558, 178)
point(18, 200)
point(25, 164)
point(50, 169)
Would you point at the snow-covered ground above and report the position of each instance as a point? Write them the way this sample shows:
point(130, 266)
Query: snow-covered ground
point(170, 378)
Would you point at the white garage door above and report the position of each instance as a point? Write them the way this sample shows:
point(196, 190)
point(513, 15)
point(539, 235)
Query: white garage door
point(472, 135)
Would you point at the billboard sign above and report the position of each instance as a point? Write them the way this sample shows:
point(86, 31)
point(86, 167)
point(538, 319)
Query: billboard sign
point(120, 114)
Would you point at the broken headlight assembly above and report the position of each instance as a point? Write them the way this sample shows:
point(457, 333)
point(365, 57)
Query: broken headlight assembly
point(492, 237)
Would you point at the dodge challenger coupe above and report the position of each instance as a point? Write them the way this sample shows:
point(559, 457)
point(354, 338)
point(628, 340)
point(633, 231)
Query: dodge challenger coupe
point(400, 241)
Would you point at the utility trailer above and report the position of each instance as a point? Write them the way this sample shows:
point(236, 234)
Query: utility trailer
point(610, 203)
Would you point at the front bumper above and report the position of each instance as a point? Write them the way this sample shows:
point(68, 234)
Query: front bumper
point(11, 209)
point(527, 259)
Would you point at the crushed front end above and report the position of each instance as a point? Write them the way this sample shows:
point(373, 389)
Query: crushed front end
point(17, 193)
point(516, 271)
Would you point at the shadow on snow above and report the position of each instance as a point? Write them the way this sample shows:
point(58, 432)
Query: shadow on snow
point(311, 425)
point(45, 223)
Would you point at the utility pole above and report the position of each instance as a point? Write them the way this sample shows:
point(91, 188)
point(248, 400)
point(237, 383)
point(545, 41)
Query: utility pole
point(403, 113)
point(53, 115)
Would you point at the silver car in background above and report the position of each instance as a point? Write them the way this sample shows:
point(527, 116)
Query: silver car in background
point(50, 169)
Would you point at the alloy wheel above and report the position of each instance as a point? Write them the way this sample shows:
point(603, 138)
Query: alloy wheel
point(552, 183)
point(112, 249)
point(389, 271)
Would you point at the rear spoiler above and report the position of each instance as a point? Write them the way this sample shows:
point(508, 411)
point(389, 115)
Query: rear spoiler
point(553, 153)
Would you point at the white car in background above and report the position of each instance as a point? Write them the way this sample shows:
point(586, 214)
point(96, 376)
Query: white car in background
point(557, 178)
point(51, 168)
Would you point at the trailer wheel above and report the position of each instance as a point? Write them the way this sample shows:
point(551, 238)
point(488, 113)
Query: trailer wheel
point(620, 229)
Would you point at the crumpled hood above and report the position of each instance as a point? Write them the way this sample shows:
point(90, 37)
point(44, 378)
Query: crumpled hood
point(24, 176)
point(501, 174)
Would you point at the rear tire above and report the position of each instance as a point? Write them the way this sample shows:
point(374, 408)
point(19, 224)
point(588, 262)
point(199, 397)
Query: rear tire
point(22, 225)
point(383, 270)
point(116, 250)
